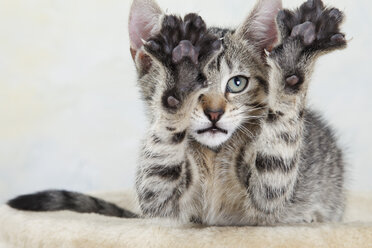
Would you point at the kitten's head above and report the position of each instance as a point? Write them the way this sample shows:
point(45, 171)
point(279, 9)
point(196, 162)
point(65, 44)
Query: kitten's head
point(237, 97)
point(237, 76)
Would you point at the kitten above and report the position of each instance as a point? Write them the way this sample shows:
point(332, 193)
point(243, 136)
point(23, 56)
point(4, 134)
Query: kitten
point(231, 140)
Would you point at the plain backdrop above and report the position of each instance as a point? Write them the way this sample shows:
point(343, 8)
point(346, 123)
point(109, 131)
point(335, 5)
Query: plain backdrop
point(70, 112)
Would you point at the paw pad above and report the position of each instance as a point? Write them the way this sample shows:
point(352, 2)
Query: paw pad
point(180, 39)
point(185, 50)
point(315, 25)
point(306, 31)
point(292, 80)
point(183, 46)
point(172, 102)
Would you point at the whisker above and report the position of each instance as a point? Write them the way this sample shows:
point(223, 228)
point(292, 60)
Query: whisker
point(246, 131)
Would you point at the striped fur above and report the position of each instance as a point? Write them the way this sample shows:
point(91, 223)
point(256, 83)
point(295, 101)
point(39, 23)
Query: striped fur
point(257, 157)
point(55, 200)
point(262, 172)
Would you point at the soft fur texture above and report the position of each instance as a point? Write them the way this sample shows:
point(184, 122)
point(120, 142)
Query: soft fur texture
point(253, 156)
point(68, 229)
point(231, 140)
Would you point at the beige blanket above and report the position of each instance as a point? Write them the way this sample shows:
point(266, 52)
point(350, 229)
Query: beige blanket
point(69, 230)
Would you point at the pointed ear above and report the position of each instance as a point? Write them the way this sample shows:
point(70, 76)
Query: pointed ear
point(260, 26)
point(144, 21)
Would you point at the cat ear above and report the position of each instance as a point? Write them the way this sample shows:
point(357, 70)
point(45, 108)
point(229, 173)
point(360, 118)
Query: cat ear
point(144, 21)
point(260, 26)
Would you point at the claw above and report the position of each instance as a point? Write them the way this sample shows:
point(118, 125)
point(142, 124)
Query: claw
point(154, 46)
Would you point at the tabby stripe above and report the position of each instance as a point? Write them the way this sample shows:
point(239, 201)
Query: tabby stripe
point(301, 114)
point(150, 91)
point(179, 137)
point(240, 160)
point(297, 198)
point(147, 195)
point(219, 59)
point(158, 208)
point(274, 193)
point(188, 179)
point(69, 200)
point(287, 138)
point(167, 172)
point(229, 63)
point(263, 83)
point(196, 220)
point(99, 205)
point(273, 116)
point(256, 105)
point(205, 166)
point(247, 179)
point(258, 206)
point(156, 139)
point(254, 93)
point(150, 155)
point(267, 163)
point(242, 169)
point(173, 198)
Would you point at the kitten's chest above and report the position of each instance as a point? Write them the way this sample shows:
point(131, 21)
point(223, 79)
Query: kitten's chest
point(223, 198)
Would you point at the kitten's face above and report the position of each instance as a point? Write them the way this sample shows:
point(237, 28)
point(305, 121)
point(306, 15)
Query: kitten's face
point(236, 96)
point(237, 93)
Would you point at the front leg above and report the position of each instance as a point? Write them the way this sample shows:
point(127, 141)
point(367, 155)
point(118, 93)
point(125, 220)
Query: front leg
point(307, 33)
point(310, 31)
point(167, 176)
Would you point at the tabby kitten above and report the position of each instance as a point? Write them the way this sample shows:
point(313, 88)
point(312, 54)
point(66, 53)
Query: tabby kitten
point(231, 140)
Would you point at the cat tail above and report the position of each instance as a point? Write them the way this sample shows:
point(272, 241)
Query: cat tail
point(55, 200)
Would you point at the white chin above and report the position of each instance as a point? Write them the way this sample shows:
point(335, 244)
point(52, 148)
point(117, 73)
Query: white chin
point(210, 139)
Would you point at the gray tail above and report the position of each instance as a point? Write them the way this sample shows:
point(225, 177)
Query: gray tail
point(55, 200)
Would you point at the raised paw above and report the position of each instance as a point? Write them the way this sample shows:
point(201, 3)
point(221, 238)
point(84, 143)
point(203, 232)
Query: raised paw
point(316, 26)
point(183, 46)
point(182, 39)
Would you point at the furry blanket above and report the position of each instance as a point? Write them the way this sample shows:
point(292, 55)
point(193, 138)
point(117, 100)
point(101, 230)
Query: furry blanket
point(69, 230)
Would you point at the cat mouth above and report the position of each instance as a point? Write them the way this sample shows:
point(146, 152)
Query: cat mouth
point(213, 129)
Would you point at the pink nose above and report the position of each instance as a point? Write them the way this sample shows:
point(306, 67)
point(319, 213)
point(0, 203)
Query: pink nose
point(214, 115)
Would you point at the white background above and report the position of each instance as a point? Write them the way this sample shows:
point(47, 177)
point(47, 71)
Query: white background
point(70, 114)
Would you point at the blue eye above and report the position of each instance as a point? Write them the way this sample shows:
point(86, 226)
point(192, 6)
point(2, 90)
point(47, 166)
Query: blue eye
point(237, 84)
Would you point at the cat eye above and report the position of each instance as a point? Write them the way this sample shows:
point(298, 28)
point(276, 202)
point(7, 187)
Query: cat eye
point(237, 84)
